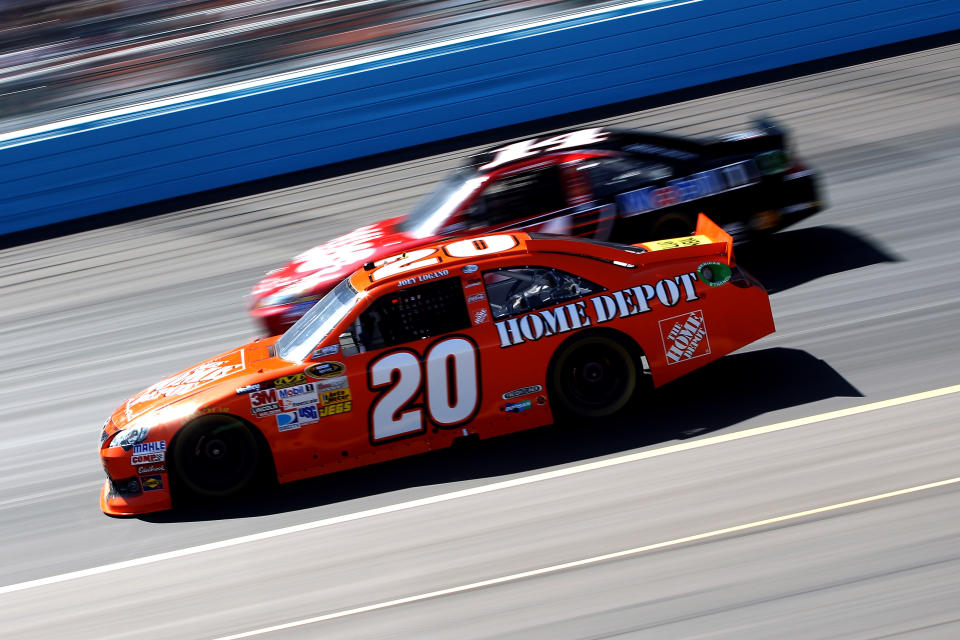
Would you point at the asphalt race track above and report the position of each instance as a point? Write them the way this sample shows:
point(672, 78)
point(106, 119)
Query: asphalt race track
point(684, 521)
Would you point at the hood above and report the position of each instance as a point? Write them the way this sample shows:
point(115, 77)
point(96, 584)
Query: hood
point(223, 372)
point(314, 272)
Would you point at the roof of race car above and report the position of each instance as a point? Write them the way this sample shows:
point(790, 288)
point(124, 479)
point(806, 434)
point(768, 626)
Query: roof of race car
point(597, 139)
point(436, 261)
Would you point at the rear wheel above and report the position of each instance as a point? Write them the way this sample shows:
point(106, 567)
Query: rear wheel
point(216, 457)
point(592, 377)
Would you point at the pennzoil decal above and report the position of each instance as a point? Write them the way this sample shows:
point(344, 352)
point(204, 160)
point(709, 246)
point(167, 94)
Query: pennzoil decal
point(325, 369)
point(685, 337)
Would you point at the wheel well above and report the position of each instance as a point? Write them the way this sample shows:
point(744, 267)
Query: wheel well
point(636, 351)
point(268, 467)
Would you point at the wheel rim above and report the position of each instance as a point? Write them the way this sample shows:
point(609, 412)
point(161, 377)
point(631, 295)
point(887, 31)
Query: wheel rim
point(595, 378)
point(217, 459)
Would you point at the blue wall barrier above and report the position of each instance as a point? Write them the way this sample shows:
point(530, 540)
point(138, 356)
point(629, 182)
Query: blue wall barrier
point(274, 126)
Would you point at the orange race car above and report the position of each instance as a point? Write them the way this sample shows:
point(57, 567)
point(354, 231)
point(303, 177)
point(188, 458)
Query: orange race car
point(479, 337)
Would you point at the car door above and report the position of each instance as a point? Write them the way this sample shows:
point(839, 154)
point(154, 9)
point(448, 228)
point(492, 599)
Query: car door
point(411, 368)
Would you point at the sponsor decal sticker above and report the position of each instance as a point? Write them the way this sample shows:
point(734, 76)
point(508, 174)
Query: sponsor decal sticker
point(147, 458)
point(330, 350)
point(693, 187)
point(328, 369)
point(714, 273)
point(424, 277)
point(332, 384)
point(685, 337)
point(334, 397)
point(150, 447)
point(185, 382)
point(289, 381)
point(265, 402)
point(480, 316)
point(298, 396)
point(152, 468)
point(470, 268)
point(522, 391)
point(334, 409)
point(597, 310)
point(476, 297)
point(471, 283)
point(152, 483)
point(517, 407)
point(250, 388)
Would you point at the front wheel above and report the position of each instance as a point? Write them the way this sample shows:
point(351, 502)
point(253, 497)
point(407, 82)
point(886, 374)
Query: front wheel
point(216, 458)
point(592, 377)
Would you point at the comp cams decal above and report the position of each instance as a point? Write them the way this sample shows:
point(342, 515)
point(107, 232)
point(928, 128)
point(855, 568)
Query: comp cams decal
point(596, 310)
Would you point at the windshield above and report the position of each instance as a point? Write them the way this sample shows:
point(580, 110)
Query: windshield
point(433, 211)
point(300, 339)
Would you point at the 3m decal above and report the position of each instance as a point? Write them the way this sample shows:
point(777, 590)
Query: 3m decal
point(328, 369)
point(446, 377)
point(685, 337)
point(596, 310)
point(264, 403)
point(522, 391)
point(528, 148)
point(694, 187)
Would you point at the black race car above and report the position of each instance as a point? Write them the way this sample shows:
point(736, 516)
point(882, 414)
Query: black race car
point(605, 184)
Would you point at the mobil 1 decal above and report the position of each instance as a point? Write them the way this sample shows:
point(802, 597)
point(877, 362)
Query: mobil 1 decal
point(439, 387)
point(597, 310)
point(685, 337)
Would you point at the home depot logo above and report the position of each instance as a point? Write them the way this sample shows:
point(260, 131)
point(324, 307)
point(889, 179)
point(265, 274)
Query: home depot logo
point(684, 337)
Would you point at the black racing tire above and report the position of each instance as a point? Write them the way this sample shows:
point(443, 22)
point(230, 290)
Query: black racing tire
point(216, 457)
point(593, 376)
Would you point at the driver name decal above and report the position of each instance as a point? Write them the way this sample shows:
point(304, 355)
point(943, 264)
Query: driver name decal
point(596, 310)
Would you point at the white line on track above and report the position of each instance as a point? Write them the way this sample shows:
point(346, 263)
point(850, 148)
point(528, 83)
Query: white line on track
point(589, 561)
point(489, 488)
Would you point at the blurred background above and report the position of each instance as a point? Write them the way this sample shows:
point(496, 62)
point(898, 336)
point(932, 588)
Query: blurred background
point(63, 58)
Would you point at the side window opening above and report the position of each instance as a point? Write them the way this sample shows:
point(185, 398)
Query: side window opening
point(515, 290)
point(412, 313)
point(519, 196)
point(610, 176)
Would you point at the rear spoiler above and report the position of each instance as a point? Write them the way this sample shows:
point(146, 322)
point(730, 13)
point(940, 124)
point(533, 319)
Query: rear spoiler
point(708, 240)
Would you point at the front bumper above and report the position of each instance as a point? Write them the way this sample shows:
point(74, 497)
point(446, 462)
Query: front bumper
point(130, 490)
point(116, 504)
